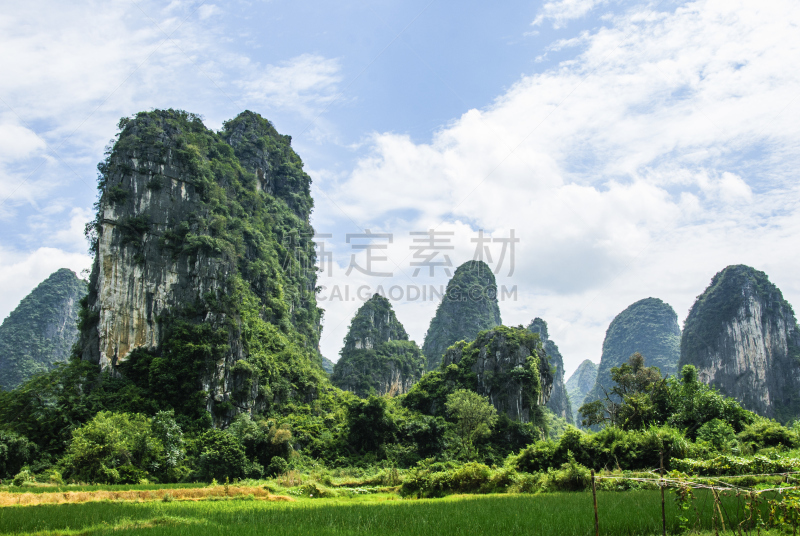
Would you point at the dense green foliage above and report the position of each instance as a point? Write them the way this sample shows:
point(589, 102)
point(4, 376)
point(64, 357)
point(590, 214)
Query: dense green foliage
point(468, 307)
point(41, 330)
point(650, 327)
point(377, 357)
point(114, 448)
point(474, 418)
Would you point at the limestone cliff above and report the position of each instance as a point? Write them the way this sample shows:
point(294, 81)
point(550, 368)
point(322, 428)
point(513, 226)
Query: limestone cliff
point(559, 402)
point(468, 307)
point(42, 329)
point(377, 357)
point(510, 368)
point(507, 365)
point(203, 279)
point(744, 340)
point(650, 327)
point(579, 385)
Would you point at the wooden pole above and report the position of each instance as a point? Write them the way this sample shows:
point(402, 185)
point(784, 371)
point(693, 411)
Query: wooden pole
point(594, 501)
point(663, 509)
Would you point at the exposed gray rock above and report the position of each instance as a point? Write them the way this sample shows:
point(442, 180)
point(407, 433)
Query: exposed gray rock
point(744, 340)
point(188, 233)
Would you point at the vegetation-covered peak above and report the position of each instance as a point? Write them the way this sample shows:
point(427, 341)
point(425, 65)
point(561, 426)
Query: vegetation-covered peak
point(377, 357)
point(374, 323)
point(269, 155)
point(727, 293)
point(539, 326)
point(648, 326)
point(468, 307)
point(41, 330)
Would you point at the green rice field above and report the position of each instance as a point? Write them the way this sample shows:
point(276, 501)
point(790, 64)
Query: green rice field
point(563, 514)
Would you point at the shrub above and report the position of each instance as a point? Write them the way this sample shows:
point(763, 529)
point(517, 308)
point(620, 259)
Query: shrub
point(727, 465)
point(767, 433)
point(22, 478)
point(222, 456)
point(571, 477)
point(277, 466)
point(15, 452)
point(608, 449)
point(435, 479)
point(718, 434)
point(113, 448)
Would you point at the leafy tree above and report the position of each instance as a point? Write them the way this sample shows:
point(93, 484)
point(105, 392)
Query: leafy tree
point(222, 456)
point(764, 433)
point(15, 451)
point(167, 430)
point(718, 433)
point(629, 404)
point(371, 424)
point(262, 439)
point(113, 448)
point(691, 404)
point(475, 417)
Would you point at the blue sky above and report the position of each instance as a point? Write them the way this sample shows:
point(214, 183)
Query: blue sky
point(634, 148)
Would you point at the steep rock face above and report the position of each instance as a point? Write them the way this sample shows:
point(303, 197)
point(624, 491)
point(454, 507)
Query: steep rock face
point(650, 327)
point(579, 385)
point(744, 340)
point(558, 403)
point(507, 365)
point(40, 332)
point(468, 307)
point(204, 259)
point(377, 357)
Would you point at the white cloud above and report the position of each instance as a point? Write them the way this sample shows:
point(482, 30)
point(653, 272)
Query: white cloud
point(21, 272)
point(656, 156)
point(305, 83)
point(562, 11)
point(18, 142)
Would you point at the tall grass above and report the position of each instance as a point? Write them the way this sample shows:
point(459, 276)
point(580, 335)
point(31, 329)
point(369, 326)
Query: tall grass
point(562, 514)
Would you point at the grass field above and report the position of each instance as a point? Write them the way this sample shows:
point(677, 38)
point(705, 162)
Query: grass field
point(562, 514)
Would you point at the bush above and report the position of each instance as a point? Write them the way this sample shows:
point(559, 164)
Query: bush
point(113, 448)
point(571, 477)
point(767, 433)
point(22, 478)
point(727, 465)
point(222, 456)
point(436, 479)
point(15, 452)
point(608, 449)
point(277, 466)
point(718, 434)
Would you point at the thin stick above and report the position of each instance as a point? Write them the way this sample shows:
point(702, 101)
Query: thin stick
point(594, 500)
point(663, 508)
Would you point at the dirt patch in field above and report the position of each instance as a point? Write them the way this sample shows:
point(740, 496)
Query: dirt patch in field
point(182, 494)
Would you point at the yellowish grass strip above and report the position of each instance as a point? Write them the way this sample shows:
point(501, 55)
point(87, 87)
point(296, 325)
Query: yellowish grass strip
point(181, 494)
